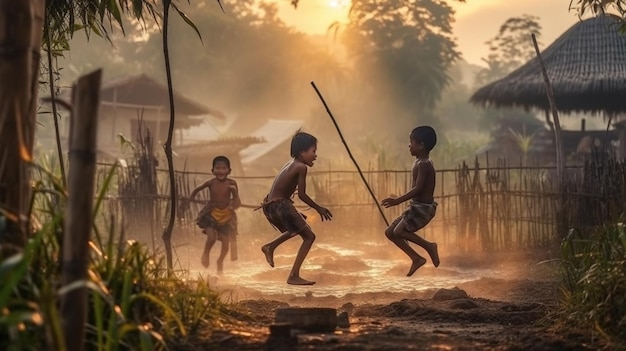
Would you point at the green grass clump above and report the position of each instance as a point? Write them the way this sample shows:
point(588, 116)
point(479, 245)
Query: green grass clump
point(134, 302)
point(594, 283)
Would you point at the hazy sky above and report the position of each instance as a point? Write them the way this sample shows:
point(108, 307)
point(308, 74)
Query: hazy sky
point(476, 20)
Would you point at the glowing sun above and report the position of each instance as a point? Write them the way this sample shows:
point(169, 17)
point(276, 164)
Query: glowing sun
point(337, 3)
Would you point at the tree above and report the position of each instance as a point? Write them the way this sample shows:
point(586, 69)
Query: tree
point(510, 48)
point(20, 39)
point(249, 64)
point(454, 110)
point(20, 42)
point(402, 50)
point(601, 6)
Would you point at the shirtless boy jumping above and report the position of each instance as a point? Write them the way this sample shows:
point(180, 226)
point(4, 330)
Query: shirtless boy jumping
point(280, 211)
point(217, 218)
point(422, 208)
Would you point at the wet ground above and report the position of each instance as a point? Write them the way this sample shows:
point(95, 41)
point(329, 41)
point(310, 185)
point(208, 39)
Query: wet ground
point(508, 298)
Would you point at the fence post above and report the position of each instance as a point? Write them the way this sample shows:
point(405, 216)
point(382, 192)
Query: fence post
point(79, 217)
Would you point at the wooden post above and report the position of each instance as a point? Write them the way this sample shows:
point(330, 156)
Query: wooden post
point(621, 132)
point(79, 217)
point(582, 125)
point(20, 47)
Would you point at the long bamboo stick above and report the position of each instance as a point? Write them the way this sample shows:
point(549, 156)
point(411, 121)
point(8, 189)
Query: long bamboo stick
point(330, 114)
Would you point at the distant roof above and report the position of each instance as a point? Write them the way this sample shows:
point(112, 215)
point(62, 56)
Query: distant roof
point(218, 145)
point(274, 132)
point(142, 90)
point(586, 66)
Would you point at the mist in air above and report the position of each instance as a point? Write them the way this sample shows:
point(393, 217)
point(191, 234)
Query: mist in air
point(249, 68)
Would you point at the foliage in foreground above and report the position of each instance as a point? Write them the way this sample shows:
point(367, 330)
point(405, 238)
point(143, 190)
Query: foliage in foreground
point(134, 304)
point(594, 282)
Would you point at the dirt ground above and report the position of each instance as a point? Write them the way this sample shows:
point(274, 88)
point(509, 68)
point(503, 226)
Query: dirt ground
point(506, 313)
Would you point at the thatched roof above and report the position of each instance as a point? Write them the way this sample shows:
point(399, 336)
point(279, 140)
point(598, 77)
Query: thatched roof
point(586, 66)
point(142, 90)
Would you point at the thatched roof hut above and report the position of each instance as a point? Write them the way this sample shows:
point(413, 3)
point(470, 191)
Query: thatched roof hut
point(144, 92)
point(587, 70)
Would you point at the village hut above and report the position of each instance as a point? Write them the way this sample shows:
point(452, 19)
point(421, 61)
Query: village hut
point(587, 69)
point(132, 105)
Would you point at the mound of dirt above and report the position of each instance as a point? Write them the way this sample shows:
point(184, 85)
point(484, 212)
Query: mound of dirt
point(459, 322)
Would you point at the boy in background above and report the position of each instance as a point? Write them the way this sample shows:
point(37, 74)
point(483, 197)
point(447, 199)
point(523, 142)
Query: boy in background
point(217, 218)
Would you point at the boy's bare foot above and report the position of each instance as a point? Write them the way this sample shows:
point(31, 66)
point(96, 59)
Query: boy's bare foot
point(269, 254)
point(299, 281)
point(434, 254)
point(220, 267)
point(417, 263)
point(205, 261)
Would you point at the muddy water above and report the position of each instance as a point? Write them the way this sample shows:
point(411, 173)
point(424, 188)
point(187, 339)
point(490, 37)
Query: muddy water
point(337, 270)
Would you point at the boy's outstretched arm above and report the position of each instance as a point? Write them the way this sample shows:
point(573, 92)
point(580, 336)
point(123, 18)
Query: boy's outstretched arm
point(324, 212)
point(235, 201)
point(186, 200)
point(420, 171)
point(198, 189)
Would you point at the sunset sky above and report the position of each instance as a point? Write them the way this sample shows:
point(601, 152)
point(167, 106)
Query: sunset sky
point(476, 20)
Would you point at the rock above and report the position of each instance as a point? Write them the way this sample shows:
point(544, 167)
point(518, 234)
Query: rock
point(311, 319)
point(343, 320)
point(395, 331)
point(348, 306)
point(281, 330)
point(463, 304)
point(450, 294)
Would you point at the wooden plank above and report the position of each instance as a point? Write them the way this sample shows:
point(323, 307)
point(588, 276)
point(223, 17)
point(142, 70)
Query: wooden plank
point(313, 319)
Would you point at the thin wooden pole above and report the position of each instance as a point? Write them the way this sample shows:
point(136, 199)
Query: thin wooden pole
point(380, 209)
point(560, 154)
point(79, 217)
point(606, 134)
point(55, 116)
point(167, 232)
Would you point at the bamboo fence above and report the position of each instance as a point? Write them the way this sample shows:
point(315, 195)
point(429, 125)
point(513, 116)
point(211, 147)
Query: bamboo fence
point(480, 207)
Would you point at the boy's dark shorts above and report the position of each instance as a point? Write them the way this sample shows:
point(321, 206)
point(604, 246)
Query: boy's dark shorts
point(282, 214)
point(416, 216)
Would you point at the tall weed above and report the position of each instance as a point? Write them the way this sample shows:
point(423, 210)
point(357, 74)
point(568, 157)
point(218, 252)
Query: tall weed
point(134, 302)
point(594, 282)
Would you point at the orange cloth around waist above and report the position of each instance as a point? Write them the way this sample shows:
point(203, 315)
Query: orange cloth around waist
point(222, 216)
